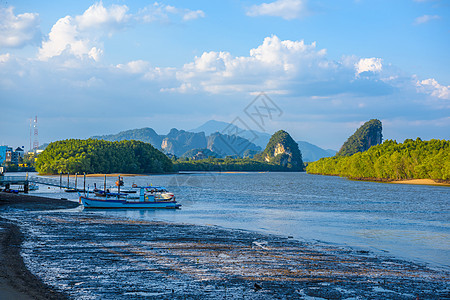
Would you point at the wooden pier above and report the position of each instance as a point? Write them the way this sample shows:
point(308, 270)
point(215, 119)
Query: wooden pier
point(8, 181)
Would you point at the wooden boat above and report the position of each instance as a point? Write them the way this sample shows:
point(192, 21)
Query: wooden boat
point(149, 197)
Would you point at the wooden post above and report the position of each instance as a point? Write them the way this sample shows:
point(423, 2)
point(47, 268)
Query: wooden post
point(60, 180)
point(104, 188)
point(84, 182)
point(118, 186)
point(76, 181)
point(25, 188)
point(68, 183)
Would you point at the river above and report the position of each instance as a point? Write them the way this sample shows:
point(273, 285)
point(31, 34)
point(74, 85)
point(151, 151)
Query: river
point(405, 221)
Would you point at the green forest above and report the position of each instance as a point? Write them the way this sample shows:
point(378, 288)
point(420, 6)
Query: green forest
point(99, 156)
point(227, 164)
point(412, 159)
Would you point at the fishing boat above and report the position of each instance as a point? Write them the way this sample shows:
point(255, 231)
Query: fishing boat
point(149, 197)
point(33, 186)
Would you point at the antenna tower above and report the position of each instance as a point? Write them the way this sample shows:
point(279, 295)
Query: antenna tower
point(36, 137)
point(31, 133)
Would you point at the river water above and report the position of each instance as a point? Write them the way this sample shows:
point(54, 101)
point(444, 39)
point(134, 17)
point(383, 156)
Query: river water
point(405, 221)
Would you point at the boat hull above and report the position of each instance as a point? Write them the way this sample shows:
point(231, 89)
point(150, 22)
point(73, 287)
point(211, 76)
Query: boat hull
point(122, 204)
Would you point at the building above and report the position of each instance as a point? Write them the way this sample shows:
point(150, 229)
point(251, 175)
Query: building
point(17, 154)
point(5, 154)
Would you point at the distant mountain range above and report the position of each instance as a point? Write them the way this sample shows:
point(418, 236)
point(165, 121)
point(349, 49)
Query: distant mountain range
point(221, 138)
point(309, 151)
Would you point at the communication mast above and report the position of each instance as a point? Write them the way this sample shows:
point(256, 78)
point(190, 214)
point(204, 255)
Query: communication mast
point(31, 134)
point(36, 139)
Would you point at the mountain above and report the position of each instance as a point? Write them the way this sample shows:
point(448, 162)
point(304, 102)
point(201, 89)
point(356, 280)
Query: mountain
point(283, 150)
point(259, 138)
point(146, 135)
point(179, 141)
point(230, 145)
point(309, 151)
point(366, 136)
point(312, 152)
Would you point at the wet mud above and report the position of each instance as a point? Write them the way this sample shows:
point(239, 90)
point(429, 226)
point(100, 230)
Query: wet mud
point(89, 256)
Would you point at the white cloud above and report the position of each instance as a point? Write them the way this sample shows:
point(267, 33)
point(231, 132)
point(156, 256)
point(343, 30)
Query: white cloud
point(368, 65)
point(99, 17)
point(275, 65)
point(432, 87)
point(162, 12)
point(5, 57)
point(425, 19)
point(18, 31)
point(79, 35)
point(135, 67)
point(286, 9)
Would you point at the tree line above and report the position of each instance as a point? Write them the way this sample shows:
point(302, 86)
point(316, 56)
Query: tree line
point(228, 164)
point(412, 159)
point(99, 156)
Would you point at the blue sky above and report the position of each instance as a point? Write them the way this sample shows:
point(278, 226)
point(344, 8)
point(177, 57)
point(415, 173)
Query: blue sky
point(89, 68)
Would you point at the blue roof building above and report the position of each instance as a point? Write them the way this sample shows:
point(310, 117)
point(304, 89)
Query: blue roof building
point(3, 150)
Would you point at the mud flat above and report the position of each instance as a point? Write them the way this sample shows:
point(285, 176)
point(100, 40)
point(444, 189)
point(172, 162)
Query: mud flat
point(16, 281)
point(85, 255)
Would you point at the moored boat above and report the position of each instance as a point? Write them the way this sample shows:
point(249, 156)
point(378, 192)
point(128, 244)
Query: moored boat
point(149, 197)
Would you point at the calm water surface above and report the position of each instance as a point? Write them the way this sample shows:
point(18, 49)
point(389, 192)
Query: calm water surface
point(406, 221)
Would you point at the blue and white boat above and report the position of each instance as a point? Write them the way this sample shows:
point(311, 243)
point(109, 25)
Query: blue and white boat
point(149, 197)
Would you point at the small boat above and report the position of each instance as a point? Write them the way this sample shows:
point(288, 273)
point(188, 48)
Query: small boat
point(149, 197)
point(33, 187)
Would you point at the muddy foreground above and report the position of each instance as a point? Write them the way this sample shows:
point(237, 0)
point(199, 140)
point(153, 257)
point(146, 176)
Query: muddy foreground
point(83, 255)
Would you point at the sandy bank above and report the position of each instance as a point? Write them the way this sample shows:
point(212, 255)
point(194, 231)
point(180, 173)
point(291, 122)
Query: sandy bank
point(421, 182)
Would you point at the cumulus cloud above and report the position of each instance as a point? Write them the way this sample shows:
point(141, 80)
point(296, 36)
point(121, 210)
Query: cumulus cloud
point(162, 12)
point(79, 35)
point(425, 19)
point(432, 87)
point(18, 30)
point(286, 9)
point(99, 17)
point(266, 67)
point(369, 65)
point(135, 67)
point(283, 67)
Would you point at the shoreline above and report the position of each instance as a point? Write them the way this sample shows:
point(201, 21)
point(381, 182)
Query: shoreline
point(420, 181)
point(16, 281)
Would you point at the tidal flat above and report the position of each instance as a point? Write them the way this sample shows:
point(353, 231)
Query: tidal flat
point(85, 255)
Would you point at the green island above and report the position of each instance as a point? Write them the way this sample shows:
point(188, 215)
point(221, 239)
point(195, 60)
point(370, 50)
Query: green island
point(98, 156)
point(389, 161)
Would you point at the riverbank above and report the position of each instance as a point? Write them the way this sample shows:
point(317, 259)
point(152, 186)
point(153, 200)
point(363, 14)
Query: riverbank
point(422, 182)
point(92, 255)
point(16, 281)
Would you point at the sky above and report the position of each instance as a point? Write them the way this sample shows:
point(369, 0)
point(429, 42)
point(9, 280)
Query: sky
point(317, 69)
